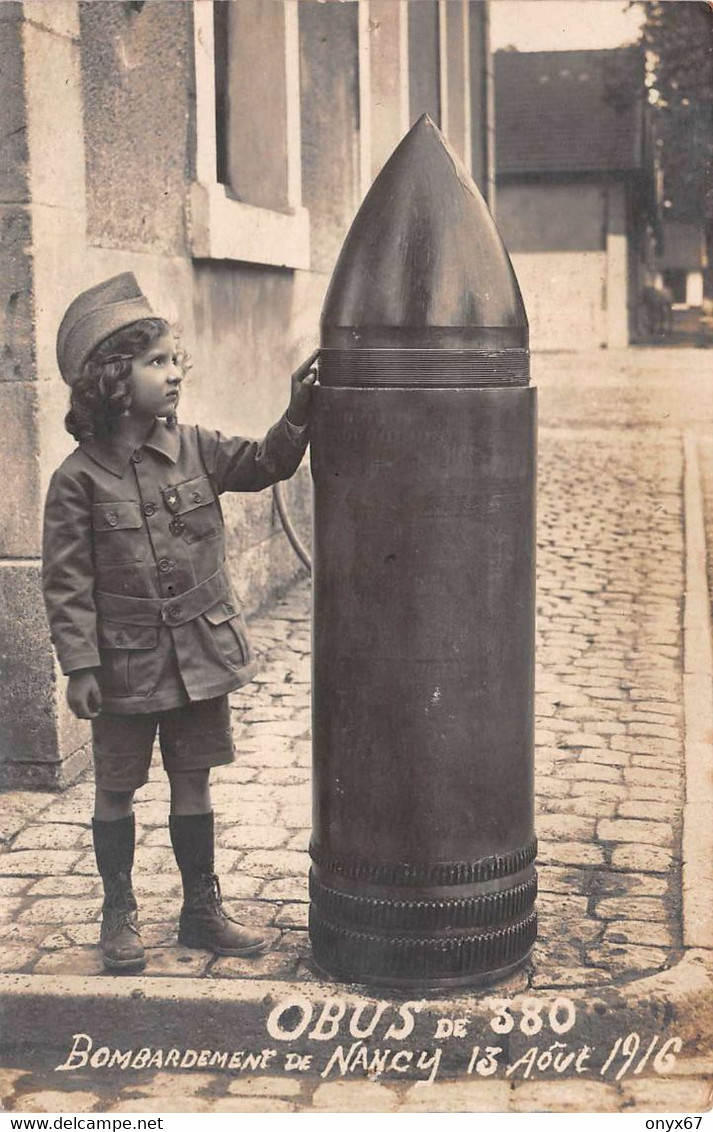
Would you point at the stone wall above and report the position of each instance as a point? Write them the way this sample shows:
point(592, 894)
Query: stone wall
point(571, 251)
point(114, 132)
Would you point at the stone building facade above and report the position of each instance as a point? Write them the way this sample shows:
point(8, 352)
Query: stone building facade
point(683, 262)
point(218, 150)
point(578, 191)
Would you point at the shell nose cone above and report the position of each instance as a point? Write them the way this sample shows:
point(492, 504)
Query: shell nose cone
point(423, 250)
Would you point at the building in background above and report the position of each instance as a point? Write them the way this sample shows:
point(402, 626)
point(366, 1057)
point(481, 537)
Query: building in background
point(578, 190)
point(219, 150)
point(684, 260)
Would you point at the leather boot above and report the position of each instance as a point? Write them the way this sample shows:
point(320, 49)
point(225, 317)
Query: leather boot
point(119, 939)
point(204, 922)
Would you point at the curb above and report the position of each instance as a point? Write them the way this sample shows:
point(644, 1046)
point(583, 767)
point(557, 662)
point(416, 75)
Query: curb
point(697, 871)
point(241, 1017)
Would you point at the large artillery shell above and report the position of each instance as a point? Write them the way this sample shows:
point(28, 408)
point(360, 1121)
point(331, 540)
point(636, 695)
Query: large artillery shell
point(423, 458)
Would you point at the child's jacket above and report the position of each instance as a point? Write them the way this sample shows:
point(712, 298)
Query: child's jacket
point(134, 573)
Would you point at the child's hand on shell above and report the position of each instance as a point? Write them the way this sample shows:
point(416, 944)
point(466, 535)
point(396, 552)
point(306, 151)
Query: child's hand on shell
point(303, 380)
point(83, 694)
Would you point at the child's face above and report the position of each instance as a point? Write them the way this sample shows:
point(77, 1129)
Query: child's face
point(155, 379)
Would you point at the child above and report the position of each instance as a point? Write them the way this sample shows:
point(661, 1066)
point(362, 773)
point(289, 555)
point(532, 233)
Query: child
point(140, 604)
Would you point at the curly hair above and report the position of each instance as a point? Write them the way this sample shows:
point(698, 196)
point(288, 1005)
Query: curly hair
point(101, 395)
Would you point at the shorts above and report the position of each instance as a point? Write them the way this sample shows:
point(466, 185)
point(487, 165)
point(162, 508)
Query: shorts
point(193, 737)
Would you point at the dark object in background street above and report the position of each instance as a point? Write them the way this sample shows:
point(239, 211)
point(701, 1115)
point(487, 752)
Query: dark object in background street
point(423, 457)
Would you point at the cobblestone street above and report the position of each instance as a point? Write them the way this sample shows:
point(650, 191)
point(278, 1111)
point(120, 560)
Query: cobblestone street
point(608, 756)
point(610, 790)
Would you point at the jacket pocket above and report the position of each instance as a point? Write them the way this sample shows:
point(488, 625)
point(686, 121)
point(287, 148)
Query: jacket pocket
point(229, 633)
point(118, 532)
point(199, 509)
point(129, 658)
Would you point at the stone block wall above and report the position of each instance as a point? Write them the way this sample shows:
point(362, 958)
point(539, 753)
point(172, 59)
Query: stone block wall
point(570, 249)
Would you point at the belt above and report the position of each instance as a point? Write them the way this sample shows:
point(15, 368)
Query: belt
point(176, 610)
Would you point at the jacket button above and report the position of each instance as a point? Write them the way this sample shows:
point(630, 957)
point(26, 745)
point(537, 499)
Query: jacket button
point(149, 508)
point(120, 638)
point(175, 611)
point(137, 456)
point(165, 565)
point(229, 608)
point(112, 518)
point(196, 497)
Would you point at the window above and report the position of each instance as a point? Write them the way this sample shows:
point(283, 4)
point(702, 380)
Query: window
point(246, 200)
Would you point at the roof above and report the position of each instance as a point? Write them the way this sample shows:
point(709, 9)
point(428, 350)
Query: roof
point(569, 111)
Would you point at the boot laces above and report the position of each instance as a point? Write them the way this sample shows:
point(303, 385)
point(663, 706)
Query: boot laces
point(116, 919)
point(210, 896)
point(120, 904)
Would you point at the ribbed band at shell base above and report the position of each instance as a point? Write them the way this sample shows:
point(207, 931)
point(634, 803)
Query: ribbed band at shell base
point(423, 926)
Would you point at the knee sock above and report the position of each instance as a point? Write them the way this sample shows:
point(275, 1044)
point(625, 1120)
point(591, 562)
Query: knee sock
point(114, 845)
point(192, 838)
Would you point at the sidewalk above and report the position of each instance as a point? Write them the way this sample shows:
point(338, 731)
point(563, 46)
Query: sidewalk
point(610, 792)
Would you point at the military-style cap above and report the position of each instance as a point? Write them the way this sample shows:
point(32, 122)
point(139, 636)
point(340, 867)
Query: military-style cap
point(93, 316)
